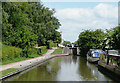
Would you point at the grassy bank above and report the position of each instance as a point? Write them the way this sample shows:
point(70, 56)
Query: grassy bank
point(12, 54)
point(5, 72)
point(58, 51)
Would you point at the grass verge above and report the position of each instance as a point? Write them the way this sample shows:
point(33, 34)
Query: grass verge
point(5, 72)
point(58, 51)
point(17, 59)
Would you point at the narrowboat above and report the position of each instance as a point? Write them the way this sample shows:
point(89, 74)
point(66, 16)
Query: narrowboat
point(93, 55)
point(110, 62)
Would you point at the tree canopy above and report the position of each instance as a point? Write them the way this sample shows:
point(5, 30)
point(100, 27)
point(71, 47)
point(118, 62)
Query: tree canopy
point(99, 40)
point(89, 39)
point(28, 23)
point(66, 42)
point(112, 39)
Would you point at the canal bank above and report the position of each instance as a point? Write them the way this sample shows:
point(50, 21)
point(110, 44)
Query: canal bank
point(55, 68)
point(65, 68)
point(24, 65)
point(109, 73)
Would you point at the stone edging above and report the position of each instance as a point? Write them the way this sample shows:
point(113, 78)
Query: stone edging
point(29, 66)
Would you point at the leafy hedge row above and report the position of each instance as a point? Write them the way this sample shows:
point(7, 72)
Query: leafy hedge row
point(10, 52)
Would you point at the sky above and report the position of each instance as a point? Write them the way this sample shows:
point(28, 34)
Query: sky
point(75, 17)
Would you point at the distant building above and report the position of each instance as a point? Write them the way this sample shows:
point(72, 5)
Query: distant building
point(62, 41)
point(61, 44)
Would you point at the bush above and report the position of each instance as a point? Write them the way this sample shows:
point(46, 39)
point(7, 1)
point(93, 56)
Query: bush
point(43, 49)
point(51, 44)
point(10, 52)
point(34, 52)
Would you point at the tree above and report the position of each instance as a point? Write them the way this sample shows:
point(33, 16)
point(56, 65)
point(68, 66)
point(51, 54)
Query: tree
point(66, 42)
point(28, 23)
point(89, 40)
point(112, 39)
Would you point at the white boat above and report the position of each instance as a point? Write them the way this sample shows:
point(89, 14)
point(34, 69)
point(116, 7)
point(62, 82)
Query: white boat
point(93, 55)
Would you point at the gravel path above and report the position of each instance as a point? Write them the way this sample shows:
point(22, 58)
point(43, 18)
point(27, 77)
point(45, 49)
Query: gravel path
point(24, 63)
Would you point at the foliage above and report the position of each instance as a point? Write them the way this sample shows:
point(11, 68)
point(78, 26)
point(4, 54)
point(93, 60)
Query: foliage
point(12, 54)
point(28, 23)
point(51, 44)
point(0, 51)
point(112, 39)
point(35, 52)
point(66, 42)
point(75, 42)
point(98, 39)
point(90, 39)
point(115, 42)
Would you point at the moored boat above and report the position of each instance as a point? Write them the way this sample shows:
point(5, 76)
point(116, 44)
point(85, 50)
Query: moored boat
point(93, 55)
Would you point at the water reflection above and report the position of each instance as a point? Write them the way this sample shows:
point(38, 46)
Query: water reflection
point(67, 68)
point(74, 58)
point(94, 72)
point(84, 71)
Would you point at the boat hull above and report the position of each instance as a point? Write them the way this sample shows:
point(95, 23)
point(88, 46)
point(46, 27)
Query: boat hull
point(92, 59)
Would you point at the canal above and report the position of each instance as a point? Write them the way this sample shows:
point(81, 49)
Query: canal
point(66, 68)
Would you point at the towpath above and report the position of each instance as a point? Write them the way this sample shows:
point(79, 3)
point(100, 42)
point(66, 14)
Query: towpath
point(24, 63)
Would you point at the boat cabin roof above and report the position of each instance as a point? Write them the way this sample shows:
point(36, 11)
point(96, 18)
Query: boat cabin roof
point(113, 53)
point(96, 50)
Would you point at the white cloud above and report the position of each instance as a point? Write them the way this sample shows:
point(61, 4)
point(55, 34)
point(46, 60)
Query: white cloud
point(75, 20)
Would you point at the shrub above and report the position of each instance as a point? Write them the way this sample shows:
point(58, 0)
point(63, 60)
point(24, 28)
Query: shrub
point(10, 52)
point(34, 52)
point(51, 44)
point(43, 49)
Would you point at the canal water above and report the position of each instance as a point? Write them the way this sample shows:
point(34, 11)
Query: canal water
point(66, 68)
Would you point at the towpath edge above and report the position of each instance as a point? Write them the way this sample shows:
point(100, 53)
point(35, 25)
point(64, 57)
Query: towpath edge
point(39, 60)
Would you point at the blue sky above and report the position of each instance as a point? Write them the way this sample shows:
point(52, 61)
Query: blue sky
point(76, 17)
point(61, 5)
